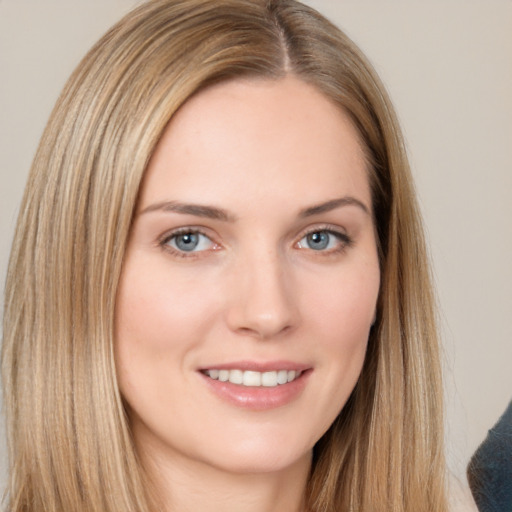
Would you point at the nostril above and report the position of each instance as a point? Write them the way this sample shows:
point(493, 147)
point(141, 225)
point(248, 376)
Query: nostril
point(262, 304)
point(264, 331)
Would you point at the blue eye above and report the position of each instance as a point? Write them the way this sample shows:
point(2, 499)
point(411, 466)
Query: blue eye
point(190, 241)
point(323, 240)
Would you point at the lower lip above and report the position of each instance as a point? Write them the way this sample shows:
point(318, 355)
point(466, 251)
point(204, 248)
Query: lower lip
point(258, 398)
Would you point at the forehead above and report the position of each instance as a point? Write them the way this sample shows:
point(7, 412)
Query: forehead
point(250, 136)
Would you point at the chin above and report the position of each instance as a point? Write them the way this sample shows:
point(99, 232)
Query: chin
point(260, 454)
point(263, 462)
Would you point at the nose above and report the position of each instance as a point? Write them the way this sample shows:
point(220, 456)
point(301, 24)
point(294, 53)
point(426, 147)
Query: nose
point(263, 303)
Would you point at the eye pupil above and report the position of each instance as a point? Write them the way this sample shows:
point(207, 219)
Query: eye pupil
point(318, 240)
point(187, 241)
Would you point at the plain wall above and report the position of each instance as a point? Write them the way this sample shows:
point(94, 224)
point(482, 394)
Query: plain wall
point(448, 68)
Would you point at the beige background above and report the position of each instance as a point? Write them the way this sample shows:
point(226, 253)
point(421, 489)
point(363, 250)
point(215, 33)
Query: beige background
point(448, 67)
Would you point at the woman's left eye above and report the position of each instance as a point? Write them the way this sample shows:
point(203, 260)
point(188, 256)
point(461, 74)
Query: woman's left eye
point(189, 241)
point(323, 240)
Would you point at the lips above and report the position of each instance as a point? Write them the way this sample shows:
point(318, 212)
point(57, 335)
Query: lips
point(257, 386)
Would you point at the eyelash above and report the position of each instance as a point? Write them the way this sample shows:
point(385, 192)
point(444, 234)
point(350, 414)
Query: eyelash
point(344, 241)
point(163, 243)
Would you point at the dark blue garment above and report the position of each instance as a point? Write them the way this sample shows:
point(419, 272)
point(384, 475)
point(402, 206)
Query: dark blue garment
point(490, 468)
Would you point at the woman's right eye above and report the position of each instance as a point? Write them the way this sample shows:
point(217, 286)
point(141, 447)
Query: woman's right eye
point(188, 242)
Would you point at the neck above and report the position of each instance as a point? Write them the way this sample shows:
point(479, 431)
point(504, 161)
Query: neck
point(188, 486)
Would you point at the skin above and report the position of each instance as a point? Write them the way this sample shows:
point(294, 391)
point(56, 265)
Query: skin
point(254, 289)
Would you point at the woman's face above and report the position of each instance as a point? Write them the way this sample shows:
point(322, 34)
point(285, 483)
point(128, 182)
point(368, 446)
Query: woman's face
point(250, 281)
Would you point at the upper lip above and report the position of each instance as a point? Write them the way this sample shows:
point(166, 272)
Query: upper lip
point(258, 366)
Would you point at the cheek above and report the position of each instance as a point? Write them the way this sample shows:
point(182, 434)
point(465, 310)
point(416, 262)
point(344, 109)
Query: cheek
point(341, 313)
point(155, 306)
point(343, 305)
point(160, 318)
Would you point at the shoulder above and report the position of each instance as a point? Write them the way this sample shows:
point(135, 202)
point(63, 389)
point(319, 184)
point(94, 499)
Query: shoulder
point(490, 468)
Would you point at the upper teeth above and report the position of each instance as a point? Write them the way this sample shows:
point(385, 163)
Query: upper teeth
point(252, 378)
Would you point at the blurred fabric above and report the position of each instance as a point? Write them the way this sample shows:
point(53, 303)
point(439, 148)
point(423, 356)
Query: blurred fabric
point(490, 468)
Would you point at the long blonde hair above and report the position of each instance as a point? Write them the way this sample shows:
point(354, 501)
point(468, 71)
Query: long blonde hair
point(69, 440)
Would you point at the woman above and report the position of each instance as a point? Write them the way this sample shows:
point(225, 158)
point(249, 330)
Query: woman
point(218, 293)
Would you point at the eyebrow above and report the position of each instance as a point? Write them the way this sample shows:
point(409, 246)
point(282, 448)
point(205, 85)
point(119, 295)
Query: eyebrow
point(197, 210)
point(215, 213)
point(332, 205)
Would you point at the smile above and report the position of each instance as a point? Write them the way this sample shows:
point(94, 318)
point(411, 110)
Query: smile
point(251, 378)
